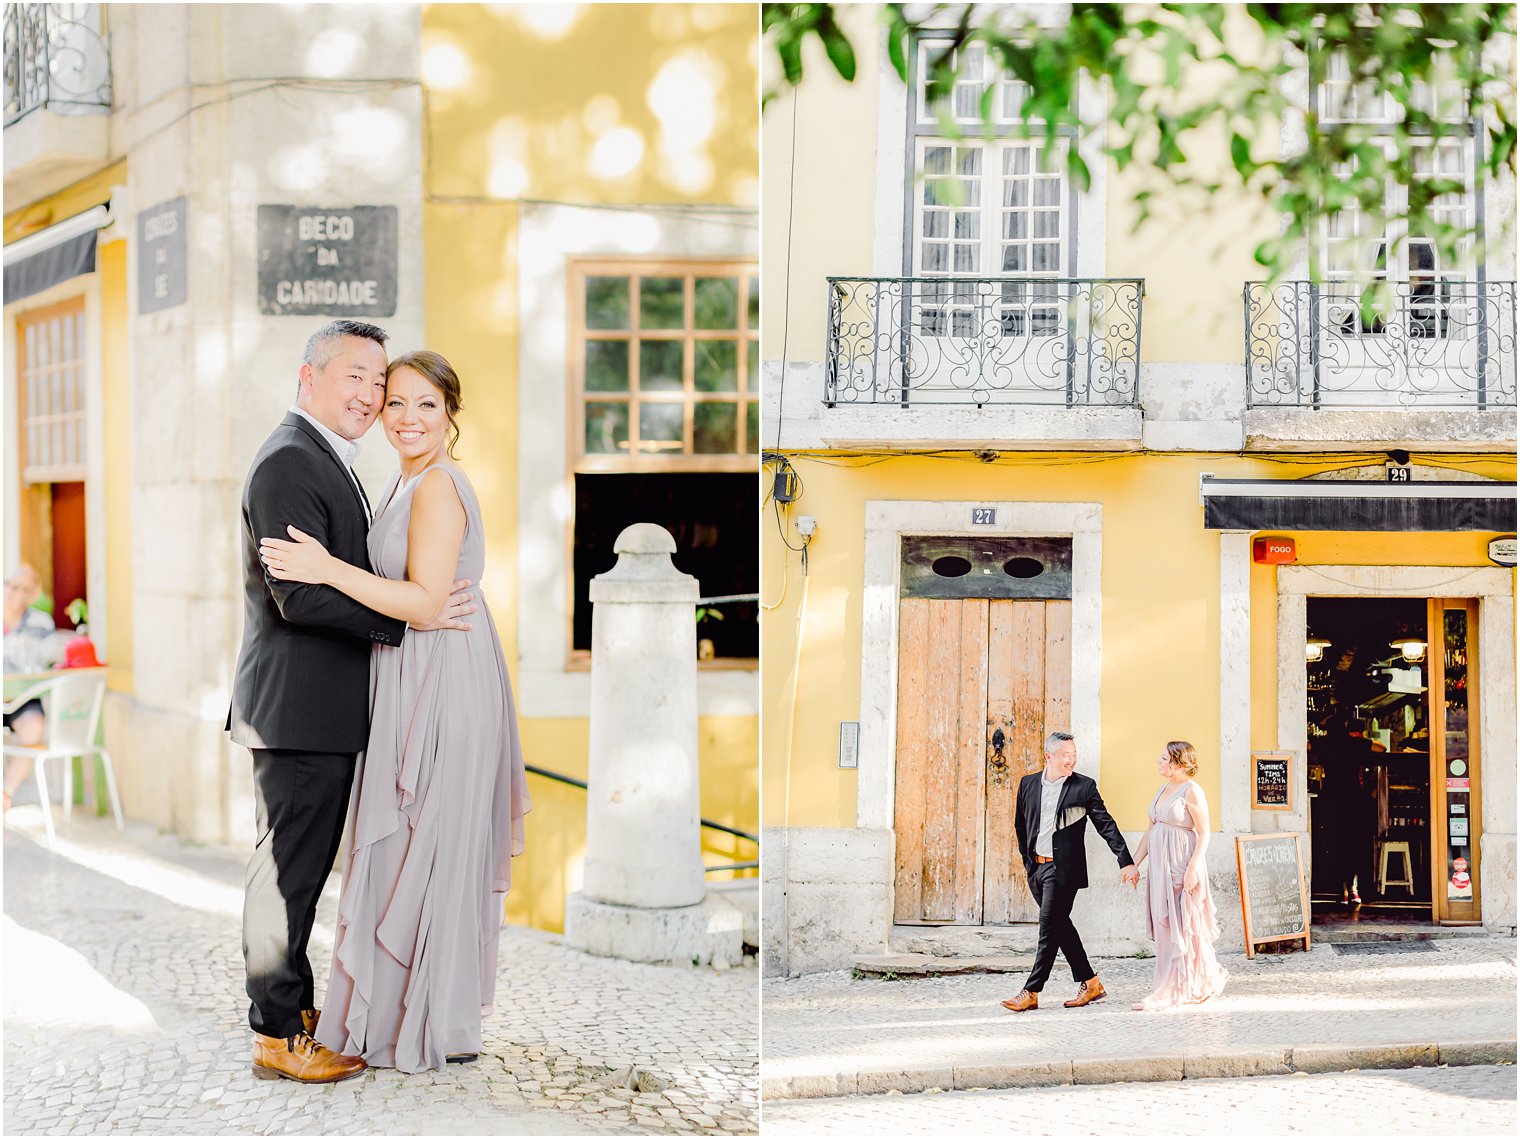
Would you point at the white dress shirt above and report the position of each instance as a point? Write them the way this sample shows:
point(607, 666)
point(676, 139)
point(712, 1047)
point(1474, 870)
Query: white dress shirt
point(346, 449)
point(1050, 800)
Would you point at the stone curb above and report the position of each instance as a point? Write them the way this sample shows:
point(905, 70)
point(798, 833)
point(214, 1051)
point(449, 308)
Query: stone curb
point(1308, 1059)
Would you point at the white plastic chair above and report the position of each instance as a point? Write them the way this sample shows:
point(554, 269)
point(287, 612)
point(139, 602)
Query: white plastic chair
point(72, 704)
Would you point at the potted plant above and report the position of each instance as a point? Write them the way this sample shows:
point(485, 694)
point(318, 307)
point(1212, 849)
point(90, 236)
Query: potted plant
point(705, 649)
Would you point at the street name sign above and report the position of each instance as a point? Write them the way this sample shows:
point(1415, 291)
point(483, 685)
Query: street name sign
point(338, 262)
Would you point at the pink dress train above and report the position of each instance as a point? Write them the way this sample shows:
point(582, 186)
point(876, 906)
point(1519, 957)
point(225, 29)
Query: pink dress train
point(1183, 925)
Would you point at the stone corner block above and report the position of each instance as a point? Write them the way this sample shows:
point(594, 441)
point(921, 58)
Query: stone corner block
point(1040, 1075)
point(1464, 1052)
point(875, 1082)
point(1126, 1069)
point(1316, 1058)
point(1226, 1065)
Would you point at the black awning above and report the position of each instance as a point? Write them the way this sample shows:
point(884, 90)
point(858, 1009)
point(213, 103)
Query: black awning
point(1280, 504)
point(48, 267)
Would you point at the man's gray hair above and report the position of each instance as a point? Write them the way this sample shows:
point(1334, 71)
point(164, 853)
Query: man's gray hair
point(324, 342)
point(1056, 738)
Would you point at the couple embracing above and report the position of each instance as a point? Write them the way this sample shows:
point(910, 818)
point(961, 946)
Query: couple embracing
point(363, 693)
point(1050, 819)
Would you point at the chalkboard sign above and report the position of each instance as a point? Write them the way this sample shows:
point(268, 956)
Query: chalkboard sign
point(1271, 780)
point(1274, 902)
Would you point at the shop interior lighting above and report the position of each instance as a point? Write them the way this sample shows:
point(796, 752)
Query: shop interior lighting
point(1412, 648)
point(1314, 648)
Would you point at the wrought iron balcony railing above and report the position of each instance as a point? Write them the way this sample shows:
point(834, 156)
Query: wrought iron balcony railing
point(1012, 341)
point(1432, 343)
point(56, 56)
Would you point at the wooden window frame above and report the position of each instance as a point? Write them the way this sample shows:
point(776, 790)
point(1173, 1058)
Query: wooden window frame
point(578, 269)
point(33, 475)
point(746, 390)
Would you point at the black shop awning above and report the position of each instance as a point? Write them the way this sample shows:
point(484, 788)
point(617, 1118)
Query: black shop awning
point(57, 254)
point(1321, 504)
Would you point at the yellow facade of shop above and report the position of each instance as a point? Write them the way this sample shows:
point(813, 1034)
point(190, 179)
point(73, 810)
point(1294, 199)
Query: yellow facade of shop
point(517, 104)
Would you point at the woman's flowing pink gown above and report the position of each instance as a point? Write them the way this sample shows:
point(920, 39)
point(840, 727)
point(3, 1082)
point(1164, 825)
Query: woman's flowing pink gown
point(434, 821)
point(1182, 923)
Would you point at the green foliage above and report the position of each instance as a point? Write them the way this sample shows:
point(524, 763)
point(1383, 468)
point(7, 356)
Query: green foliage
point(1153, 60)
point(78, 611)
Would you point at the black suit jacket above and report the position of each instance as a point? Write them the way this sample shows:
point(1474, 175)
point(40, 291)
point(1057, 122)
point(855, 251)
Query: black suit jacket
point(302, 678)
point(1079, 802)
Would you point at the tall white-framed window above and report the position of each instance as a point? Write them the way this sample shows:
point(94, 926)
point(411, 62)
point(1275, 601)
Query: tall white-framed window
point(991, 213)
point(1398, 318)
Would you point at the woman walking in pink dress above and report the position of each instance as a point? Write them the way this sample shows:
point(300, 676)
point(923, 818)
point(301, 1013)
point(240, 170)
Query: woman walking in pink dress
point(1179, 909)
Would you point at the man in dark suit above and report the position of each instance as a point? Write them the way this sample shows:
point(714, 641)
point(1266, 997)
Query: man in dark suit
point(1050, 818)
point(300, 697)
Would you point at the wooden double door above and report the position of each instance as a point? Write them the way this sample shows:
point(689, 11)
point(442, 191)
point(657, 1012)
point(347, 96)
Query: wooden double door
point(981, 681)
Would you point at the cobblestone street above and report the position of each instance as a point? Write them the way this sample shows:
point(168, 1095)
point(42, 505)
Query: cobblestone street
point(1416, 1101)
point(1405, 1003)
point(125, 1013)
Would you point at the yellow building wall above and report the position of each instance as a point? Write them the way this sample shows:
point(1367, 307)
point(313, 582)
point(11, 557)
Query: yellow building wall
point(116, 387)
point(85, 194)
point(1160, 609)
point(826, 130)
point(597, 103)
point(516, 100)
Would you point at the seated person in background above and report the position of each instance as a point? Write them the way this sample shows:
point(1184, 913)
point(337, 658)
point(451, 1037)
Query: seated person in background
point(27, 633)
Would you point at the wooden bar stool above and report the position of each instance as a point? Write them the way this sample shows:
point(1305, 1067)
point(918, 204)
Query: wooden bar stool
point(1407, 880)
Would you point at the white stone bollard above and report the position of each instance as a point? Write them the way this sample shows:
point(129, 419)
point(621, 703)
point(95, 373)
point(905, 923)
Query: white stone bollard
point(643, 834)
point(645, 896)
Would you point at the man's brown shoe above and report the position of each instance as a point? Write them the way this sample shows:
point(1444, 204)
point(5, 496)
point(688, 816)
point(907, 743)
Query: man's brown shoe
point(1023, 1002)
point(302, 1059)
point(309, 1018)
point(1089, 992)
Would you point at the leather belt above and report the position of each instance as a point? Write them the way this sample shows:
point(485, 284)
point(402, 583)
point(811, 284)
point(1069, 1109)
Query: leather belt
point(1042, 858)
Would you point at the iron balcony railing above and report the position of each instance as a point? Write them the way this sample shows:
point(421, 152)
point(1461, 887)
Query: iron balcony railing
point(1432, 343)
point(1041, 341)
point(56, 56)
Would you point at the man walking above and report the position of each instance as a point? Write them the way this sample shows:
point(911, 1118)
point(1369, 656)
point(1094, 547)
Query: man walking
point(1050, 819)
point(300, 697)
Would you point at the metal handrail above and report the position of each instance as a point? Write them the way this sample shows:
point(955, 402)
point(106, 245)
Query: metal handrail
point(581, 783)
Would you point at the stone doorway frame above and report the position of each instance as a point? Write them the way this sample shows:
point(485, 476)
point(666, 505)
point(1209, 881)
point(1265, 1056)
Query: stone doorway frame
point(1493, 589)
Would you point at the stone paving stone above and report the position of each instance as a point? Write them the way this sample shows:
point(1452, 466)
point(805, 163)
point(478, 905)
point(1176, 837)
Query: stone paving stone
point(1466, 1101)
point(152, 927)
point(821, 1030)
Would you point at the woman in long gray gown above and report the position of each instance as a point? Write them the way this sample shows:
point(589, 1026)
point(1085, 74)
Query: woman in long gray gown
point(436, 813)
point(1179, 908)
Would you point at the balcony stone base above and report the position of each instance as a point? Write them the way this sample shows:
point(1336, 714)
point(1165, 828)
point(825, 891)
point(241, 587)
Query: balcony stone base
point(1356, 429)
point(991, 428)
point(46, 151)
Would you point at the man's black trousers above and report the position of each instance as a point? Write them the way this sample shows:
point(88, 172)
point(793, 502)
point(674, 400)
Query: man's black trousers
point(301, 798)
point(1056, 930)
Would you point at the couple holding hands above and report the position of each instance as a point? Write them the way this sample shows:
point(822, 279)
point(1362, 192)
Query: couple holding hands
point(1051, 816)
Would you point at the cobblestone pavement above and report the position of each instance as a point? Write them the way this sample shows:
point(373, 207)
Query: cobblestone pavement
point(1415, 1101)
point(125, 1013)
point(1455, 990)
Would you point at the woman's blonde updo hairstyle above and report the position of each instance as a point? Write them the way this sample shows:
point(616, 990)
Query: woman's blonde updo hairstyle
point(440, 373)
point(1182, 755)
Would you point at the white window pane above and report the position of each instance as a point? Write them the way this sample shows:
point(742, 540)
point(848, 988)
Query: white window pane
point(965, 258)
point(936, 224)
point(971, 162)
point(1047, 258)
point(1047, 192)
point(1047, 225)
point(937, 160)
point(968, 225)
point(1015, 259)
point(935, 258)
point(1015, 225)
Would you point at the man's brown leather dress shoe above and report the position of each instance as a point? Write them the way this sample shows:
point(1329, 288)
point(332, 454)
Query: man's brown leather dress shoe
point(302, 1059)
point(1090, 991)
point(309, 1018)
point(1023, 1002)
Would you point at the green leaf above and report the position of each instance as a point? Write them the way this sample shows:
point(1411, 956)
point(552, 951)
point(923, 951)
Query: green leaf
point(789, 48)
point(841, 54)
point(1080, 174)
point(1240, 155)
point(897, 46)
